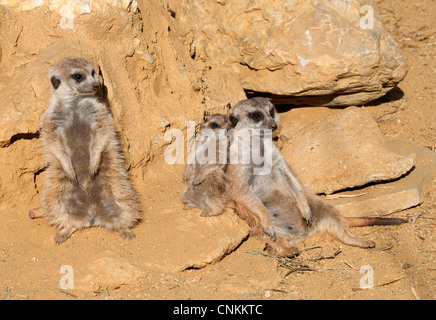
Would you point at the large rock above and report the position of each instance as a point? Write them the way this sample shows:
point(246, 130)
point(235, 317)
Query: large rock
point(187, 241)
point(400, 194)
point(323, 53)
point(296, 119)
point(344, 150)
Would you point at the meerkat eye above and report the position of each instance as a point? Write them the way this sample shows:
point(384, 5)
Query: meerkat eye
point(256, 116)
point(78, 77)
point(271, 112)
point(214, 125)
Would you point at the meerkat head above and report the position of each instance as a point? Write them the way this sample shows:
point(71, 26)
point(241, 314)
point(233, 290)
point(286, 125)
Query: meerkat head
point(217, 121)
point(74, 77)
point(214, 127)
point(255, 113)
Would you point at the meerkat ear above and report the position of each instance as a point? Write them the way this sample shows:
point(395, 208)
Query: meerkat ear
point(233, 120)
point(55, 82)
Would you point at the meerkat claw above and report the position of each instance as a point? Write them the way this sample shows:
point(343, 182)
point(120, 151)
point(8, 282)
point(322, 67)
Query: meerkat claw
point(271, 233)
point(309, 221)
point(73, 180)
point(92, 174)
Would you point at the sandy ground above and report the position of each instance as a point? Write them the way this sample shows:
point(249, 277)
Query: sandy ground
point(403, 264)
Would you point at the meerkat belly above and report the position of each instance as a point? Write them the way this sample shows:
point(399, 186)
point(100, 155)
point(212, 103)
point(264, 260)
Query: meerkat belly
point(272, 191)
point(284, 213)
point(81, 197)
point(79, 137)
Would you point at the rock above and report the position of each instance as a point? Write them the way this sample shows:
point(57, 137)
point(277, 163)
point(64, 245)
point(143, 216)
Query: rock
point(323, 53)
point(401, 194)
point(191, 241)
point(109, 273)
point(296, 119)
point(343, 150)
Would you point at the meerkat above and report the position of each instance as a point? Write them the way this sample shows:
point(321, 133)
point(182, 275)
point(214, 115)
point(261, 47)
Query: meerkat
point(206, 183)
point(86, 181)
point(245, 188)
point(281, 195)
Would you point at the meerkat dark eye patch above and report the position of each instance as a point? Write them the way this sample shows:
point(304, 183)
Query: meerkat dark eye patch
point(256, 116)
point(93, 73)
point(55, 82)
point(78, 77)
point(271, 112)
point(214, 125)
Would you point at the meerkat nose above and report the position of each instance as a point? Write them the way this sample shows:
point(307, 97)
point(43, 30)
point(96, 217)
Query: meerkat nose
point(273, 126)
point(96, 87)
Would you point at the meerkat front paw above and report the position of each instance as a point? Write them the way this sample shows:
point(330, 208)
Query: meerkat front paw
point(306, 214)
point(94, 164)
point(270, 232)
point(73, 178)
point(92, 171)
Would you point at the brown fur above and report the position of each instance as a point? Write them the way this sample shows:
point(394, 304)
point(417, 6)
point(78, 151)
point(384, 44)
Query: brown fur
point(373, 221)
point(86, 182)
point(279, 197)
point(206, 183)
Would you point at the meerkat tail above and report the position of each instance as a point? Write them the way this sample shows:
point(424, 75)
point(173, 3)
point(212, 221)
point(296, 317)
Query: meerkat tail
point(373, 221)
point(338, 229)
point(35, 213)
point(329, 220)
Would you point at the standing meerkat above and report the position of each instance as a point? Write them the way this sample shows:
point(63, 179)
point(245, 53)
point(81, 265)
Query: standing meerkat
point(281, 195)
point(86, 182)
point(206, 183)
